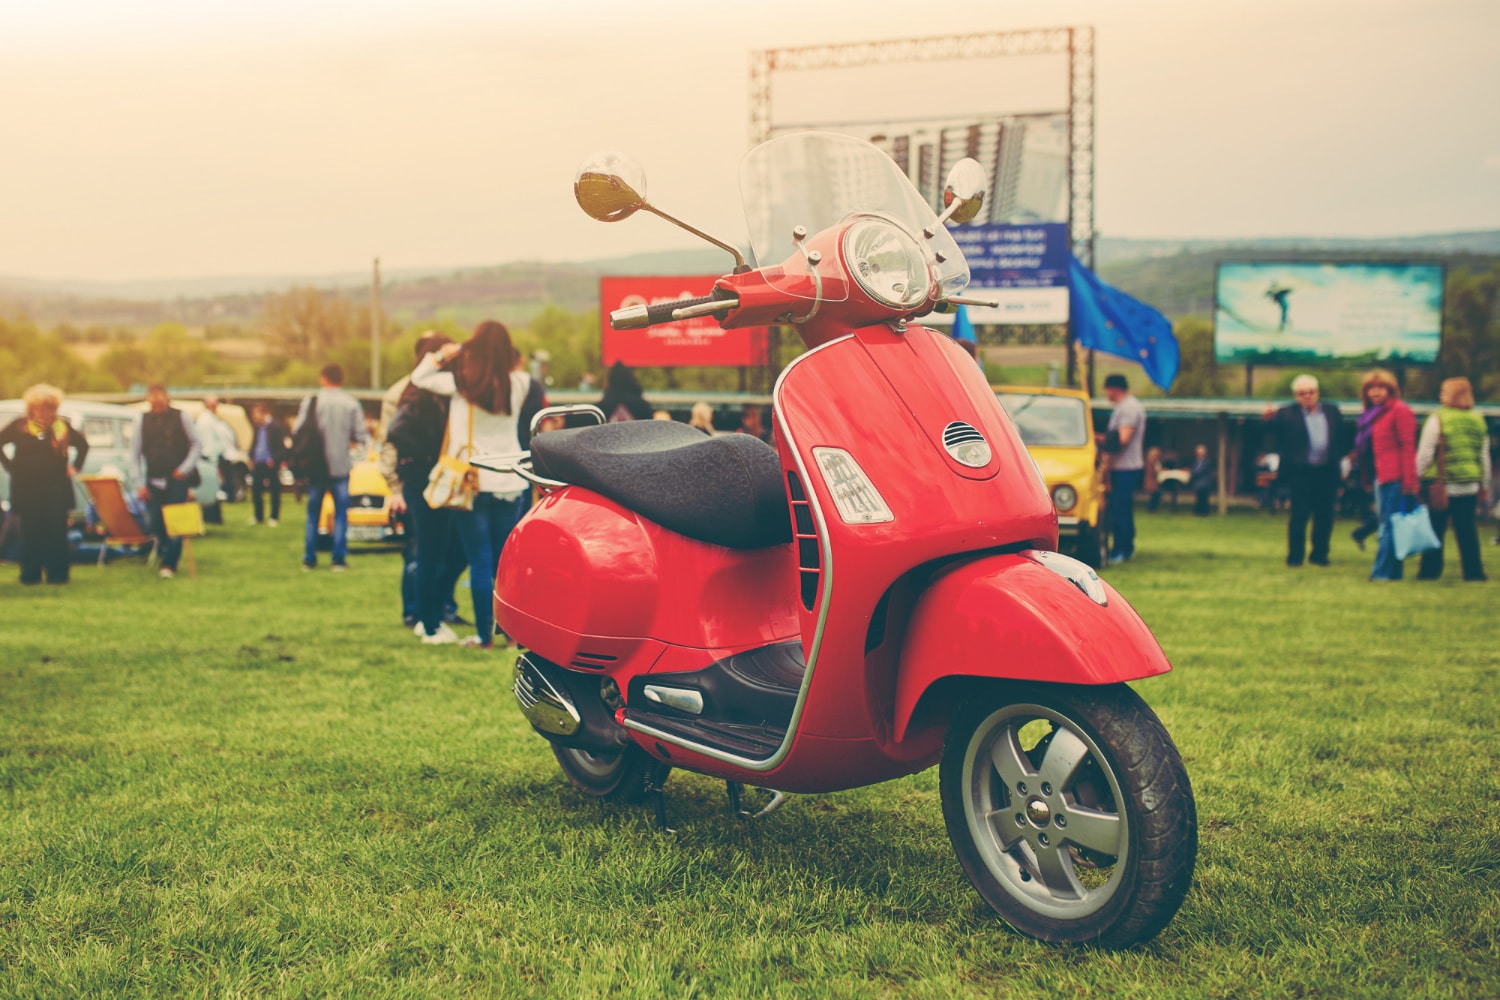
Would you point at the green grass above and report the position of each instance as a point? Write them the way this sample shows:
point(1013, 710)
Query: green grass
point(260, 783)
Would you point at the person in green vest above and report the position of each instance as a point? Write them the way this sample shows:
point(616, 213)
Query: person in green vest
point(1455, 446)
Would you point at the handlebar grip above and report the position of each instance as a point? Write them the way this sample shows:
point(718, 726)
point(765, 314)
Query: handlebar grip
point(636, 317)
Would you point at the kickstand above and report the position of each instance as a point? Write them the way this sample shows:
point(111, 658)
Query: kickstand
point(653, 791)
point(737, 790)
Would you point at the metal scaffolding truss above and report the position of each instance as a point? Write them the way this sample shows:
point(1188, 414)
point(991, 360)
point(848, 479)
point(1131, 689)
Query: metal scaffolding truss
point(1078, 43)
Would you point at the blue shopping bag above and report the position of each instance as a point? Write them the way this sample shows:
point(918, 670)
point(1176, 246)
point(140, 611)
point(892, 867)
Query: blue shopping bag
point(1411, 532)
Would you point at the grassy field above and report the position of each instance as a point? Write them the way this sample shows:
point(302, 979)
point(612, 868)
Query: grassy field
point(260, 783)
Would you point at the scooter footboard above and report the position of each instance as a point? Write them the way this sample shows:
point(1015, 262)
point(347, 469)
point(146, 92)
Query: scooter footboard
point(1012, 617)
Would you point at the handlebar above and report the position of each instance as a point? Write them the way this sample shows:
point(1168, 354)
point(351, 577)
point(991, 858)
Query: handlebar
point(637, 317)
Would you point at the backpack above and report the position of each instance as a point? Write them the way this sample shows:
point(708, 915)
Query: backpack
point(307, 458)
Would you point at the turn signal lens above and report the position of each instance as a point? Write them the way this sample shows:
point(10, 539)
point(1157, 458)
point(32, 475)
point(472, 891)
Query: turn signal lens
point(857, 499)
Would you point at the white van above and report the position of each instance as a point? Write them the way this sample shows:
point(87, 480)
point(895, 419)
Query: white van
point(107, 428)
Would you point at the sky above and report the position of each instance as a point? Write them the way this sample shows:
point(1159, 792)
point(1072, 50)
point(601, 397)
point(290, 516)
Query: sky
point(151, 139)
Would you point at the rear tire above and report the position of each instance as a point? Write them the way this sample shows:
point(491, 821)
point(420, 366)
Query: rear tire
point(613, 777)
point(1070, 811)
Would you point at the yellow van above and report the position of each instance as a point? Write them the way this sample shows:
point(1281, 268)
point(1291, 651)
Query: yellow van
point(1058, 429)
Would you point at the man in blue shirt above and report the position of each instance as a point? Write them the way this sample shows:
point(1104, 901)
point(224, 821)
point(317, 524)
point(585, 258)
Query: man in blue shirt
point(267, 456)
point(1308, 437)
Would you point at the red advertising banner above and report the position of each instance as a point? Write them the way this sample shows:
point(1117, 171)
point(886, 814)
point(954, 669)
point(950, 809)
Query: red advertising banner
point(697, 341)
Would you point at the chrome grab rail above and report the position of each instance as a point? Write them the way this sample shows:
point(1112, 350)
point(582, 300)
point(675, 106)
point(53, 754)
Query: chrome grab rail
point(562, 411)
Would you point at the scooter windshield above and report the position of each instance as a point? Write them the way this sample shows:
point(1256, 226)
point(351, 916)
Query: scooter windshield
point(819, 179)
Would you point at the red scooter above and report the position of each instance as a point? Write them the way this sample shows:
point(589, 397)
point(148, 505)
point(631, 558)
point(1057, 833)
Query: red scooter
point(877, 593)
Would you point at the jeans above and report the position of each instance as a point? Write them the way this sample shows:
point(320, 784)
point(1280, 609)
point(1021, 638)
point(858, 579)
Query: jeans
point(340, 490)
point(1388, 502)
point(483, 531)
point(446, 555)
point(1122, 486)
point(265, 477)
point(1461, 513)
point(168, 549)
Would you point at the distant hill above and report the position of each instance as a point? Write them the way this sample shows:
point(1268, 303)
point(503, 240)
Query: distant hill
point(1112, 249)
point(1175, 276)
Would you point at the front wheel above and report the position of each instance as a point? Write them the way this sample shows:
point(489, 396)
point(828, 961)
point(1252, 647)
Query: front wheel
point(620, 776)
point(1070, 812)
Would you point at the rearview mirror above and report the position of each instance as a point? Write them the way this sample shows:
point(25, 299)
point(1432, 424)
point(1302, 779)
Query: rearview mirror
point(963, 195)
point(610, 186)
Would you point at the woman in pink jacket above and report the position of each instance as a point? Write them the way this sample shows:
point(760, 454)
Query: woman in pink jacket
point(1386, 442)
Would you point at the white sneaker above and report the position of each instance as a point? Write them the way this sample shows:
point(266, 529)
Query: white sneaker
point(419, 630)
point(273, 523)
point(340, 568)
point(474, 642)
point(251, 521)
point(167, 574)
point(444, 636)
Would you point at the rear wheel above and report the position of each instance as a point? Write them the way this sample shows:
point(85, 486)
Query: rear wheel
point(1070, 811)
point(615, 777)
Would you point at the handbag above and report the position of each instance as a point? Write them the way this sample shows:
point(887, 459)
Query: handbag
point(1437, 489)
point(1411, 532)
point(453, 483)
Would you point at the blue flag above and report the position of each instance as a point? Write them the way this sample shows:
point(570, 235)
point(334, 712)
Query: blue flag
point(1108, 320)
point(963, 329)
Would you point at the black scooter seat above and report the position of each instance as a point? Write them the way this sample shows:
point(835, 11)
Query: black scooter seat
point(726, 490)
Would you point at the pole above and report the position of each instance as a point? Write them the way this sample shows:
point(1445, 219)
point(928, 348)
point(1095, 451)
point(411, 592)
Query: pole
point(1223, 464)
point(375, 382)
point(1249, 381)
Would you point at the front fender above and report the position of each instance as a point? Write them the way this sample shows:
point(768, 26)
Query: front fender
point(1008, 617)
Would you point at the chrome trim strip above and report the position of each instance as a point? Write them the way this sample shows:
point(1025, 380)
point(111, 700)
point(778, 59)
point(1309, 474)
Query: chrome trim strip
point(682, 699)
point(771, 762)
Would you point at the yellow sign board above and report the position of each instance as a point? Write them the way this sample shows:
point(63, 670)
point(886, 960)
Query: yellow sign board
point(182, 519)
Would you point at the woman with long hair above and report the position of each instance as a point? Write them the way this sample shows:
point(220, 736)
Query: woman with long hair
point(623, 399)
point(1387, 432)
point(1455, 446)
point(41, 482)
point(491, 410)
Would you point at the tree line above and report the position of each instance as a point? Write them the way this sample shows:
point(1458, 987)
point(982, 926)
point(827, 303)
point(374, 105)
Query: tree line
point(302, 329)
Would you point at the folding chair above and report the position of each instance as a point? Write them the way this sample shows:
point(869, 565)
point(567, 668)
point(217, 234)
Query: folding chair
point(120, 528)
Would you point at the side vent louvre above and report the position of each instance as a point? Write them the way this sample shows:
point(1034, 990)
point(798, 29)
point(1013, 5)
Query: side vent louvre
point(809, 560)
point(959, 432)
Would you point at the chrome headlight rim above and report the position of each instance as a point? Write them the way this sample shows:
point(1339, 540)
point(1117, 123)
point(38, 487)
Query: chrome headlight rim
point(1064, 497)
point(920, 283)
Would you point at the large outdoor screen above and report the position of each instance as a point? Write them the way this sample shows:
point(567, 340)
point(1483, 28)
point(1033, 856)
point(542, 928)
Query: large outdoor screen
point(1328, 314)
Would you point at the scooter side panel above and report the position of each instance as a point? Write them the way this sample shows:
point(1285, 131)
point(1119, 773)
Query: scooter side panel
point(855, 395)
point(580, 566)
point(1007, 617)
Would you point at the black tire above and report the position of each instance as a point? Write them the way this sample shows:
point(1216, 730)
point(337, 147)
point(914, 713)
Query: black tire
point(1090, 549)
point(1104, 856)
point(613, 777)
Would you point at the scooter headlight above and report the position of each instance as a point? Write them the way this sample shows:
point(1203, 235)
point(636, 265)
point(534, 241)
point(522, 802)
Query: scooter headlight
point(887, 263)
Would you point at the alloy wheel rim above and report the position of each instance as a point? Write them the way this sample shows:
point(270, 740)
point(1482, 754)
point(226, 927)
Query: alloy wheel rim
point(1045, 811)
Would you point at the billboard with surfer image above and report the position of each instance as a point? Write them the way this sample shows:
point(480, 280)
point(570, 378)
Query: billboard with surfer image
point(1308, 313)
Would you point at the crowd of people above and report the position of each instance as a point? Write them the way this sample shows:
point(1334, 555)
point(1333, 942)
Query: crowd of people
point(1385, 470)
point(479, 397)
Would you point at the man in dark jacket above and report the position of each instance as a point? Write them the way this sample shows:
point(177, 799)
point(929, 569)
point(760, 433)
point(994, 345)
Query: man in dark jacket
point(1309, 437)
point(164, 450)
